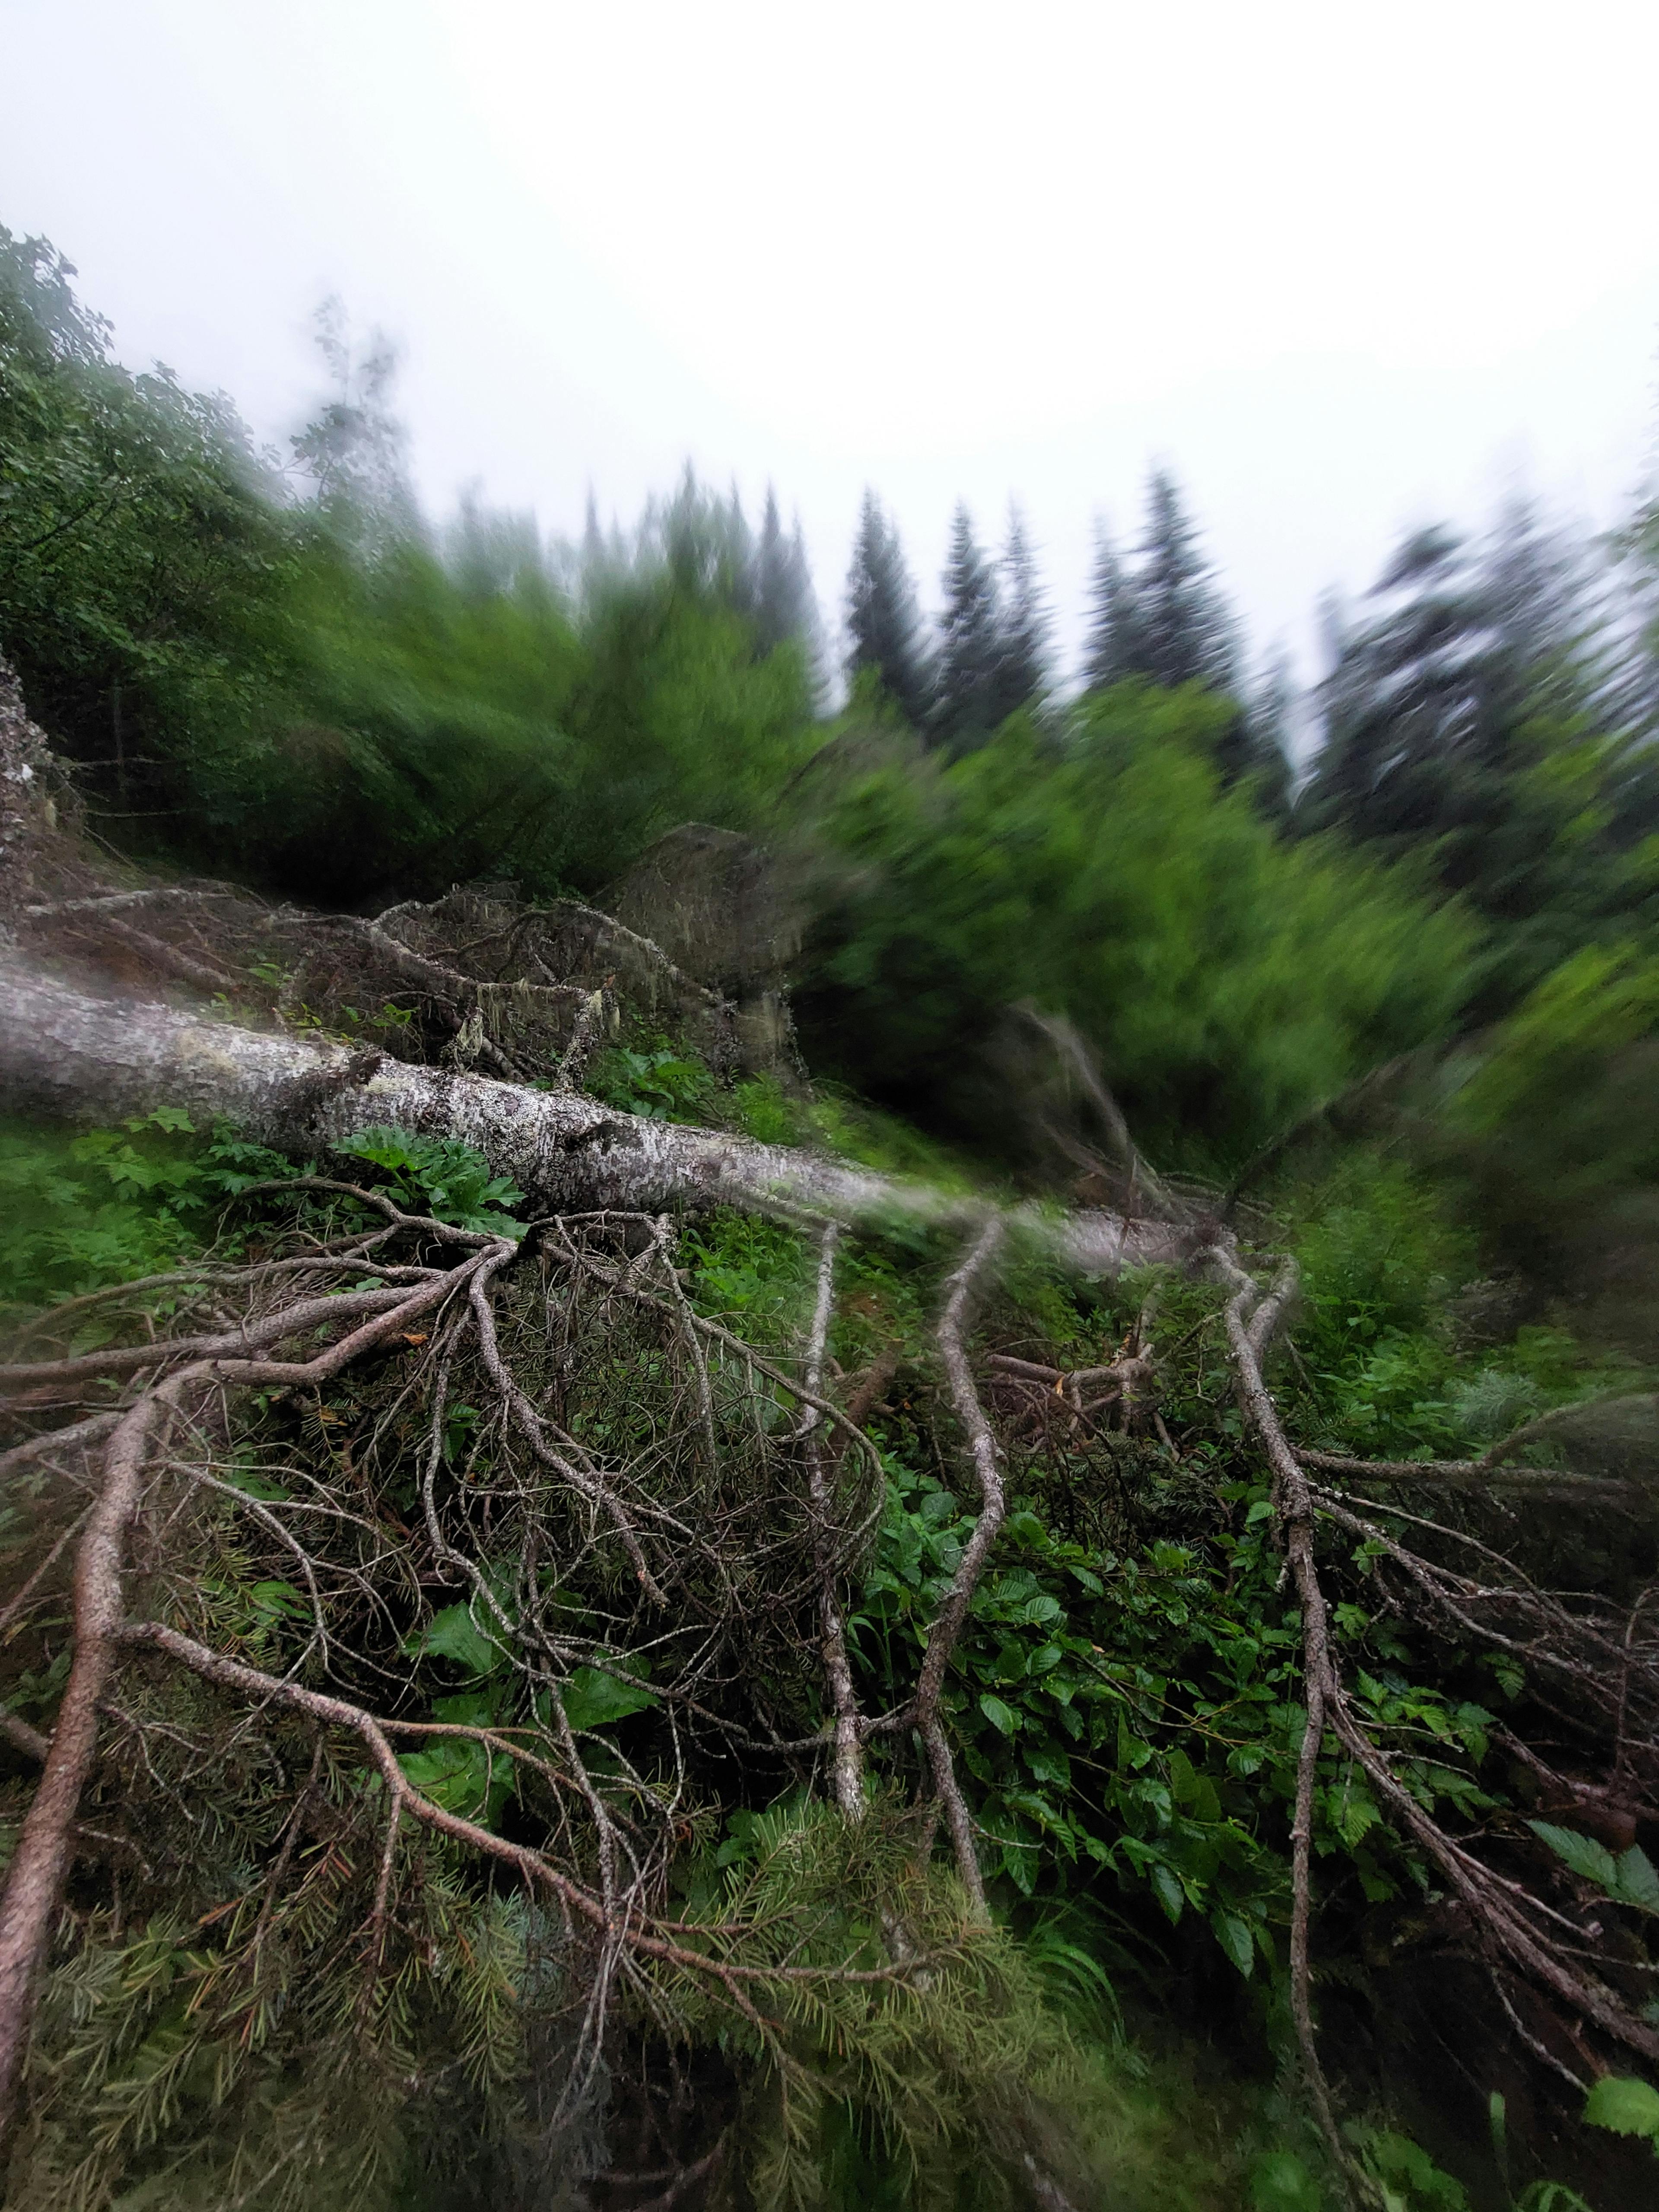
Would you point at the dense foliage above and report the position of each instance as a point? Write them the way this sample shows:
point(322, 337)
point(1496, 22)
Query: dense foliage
point(1492, 709)
point(319, 691)
point(1228, 981)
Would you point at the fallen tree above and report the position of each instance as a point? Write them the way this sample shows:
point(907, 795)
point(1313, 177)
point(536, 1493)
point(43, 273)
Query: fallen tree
point(70, 1054)
point(632, 1507)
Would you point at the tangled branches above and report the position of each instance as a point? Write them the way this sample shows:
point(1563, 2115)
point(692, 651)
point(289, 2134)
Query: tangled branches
point(498, 1496)
point(631, 1511)
point(470, 980)
point(433, 1587)
point(1515, 1929)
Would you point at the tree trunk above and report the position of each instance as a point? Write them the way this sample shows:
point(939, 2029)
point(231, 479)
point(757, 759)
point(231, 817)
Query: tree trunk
point(74, 1057)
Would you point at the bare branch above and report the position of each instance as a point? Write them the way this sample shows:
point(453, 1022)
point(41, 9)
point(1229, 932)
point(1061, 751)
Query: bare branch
point(947, 1622)
point(848, 1765)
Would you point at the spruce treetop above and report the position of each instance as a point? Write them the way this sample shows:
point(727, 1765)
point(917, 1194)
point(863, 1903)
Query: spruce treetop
point(883, 623)
point(1022, 671)
point(970, 643)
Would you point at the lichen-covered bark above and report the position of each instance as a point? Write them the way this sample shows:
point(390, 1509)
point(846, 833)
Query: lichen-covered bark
point(70, 1056)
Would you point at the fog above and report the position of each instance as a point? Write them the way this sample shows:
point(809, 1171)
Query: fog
point(1345, 271)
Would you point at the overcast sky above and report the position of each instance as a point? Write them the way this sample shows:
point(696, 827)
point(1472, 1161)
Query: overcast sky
point(1345, 267)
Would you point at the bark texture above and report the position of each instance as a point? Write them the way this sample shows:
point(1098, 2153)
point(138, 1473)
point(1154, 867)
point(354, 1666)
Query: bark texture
point(73, 1056)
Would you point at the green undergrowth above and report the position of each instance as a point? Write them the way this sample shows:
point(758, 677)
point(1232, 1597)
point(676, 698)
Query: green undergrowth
point(664, 1080)
point(155, 1194)
point(109, 1205)
point(1127, 1695)
point(1405, 1345)
point(938, 2098)
point(1125, 1702)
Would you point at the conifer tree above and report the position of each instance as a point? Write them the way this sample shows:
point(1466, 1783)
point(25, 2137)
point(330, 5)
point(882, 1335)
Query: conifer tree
point(882, 618)
point(1638, 553)
point(1403, 703)
point(1480, 683)
point(703, 542)
point(594, 554)
point(1022, 674)
point(970, 643)
point(1113, 650)
point(1163, 618)
point(605, 554)
point(785, 605)
point(1467, 648)
point(1185, 634)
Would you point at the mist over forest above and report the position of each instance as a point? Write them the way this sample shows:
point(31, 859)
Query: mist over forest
point(800, 1411)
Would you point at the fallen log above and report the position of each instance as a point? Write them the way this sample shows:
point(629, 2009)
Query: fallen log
point(69, 1055)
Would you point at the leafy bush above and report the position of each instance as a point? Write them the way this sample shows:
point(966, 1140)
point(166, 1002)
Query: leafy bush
point(438, 1176)
point(107, 1206)
point(114, 1205)
point(143, 549)
point(658, 1081)
point(1226, 980)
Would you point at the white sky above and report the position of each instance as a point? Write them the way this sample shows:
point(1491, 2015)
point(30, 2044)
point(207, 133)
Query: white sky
point(1345, 266)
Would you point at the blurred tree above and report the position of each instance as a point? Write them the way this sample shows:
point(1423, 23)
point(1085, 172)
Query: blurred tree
point(971, 685)
point(354, 448)
point(703, 541)
point(1163, 618)
point(882, 618)
point(1554, 1129)
point(1183, 631)
point(1257, 742)
point(1404, 701)
point(785, 605)
point(1022, 669)
point(1113, 650)
point(1638, 551)
point(594, 551)
point(489, 550)
point(1478, 716)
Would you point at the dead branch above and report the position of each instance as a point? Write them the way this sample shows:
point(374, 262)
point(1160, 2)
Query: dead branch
point(848, 1764)
point(28, 1905)
point(21, 1737)
point(1249, 1318)
point(1504, 1919)
point(947, 1622)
